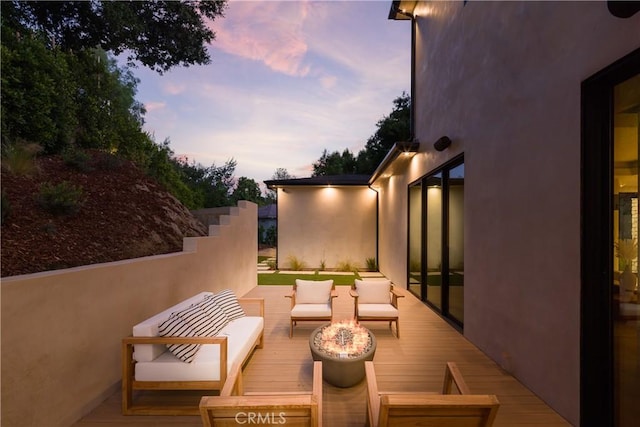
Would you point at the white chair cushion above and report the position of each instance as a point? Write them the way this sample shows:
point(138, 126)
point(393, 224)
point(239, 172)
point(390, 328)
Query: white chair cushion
point(377, 310)
point(373, 291)
point(313, 291)
point(311, 310)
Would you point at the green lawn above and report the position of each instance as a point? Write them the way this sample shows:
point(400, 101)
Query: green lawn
point(289, 279)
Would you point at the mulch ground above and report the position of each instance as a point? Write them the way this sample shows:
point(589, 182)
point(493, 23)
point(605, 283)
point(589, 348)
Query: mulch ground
point(124, 214)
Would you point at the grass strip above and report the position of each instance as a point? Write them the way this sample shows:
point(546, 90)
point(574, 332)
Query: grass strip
point(290, 279)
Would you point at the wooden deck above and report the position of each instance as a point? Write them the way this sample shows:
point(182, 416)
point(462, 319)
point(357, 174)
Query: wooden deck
point(415, 362)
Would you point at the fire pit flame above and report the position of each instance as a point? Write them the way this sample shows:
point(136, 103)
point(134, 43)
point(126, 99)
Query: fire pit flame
point(343, 339)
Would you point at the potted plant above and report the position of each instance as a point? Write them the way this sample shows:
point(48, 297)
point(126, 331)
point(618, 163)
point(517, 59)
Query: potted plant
point(627, 252)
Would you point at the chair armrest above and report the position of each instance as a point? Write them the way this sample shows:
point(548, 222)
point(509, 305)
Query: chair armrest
point(452, 376)
point(334, 293)
point(292, 295)
point(373, 394)
point(394, 297)
point(396, 293)
point(353, 293)
point(251, 301)
point(317, 388)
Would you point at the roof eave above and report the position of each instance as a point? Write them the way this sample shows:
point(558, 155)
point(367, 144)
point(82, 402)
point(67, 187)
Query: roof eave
point(402, 10)
point(402, 147)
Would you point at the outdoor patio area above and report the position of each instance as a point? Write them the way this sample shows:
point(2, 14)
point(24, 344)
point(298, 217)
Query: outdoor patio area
point(415, 362)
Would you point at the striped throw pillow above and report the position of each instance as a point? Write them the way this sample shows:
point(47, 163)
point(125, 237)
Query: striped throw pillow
point(198, 320)
point(228, 302)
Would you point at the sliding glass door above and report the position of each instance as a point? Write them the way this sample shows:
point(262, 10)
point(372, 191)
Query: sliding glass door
point(626, 319)
point(610, 304)
point(436, 240)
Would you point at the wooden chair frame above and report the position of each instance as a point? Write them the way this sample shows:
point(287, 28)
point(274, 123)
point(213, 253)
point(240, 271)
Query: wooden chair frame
point(394, 302)
point(130, 384)
point(292, 408)
point(385, 408)
point(295, 319)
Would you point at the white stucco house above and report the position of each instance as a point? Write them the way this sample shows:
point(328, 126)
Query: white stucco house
point(502, 211)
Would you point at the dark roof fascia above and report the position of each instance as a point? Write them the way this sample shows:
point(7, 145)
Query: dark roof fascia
point(397, 149)
point(402, 10)
point(320, 181)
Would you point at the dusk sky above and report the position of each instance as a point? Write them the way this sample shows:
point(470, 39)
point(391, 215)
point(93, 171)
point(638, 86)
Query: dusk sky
point(287, 80)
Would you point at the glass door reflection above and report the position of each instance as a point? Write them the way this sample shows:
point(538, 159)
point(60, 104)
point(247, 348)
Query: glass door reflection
point(433, 236)
point(415, 239)
point(455, 242)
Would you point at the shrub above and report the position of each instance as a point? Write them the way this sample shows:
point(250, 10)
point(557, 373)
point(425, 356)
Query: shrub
point(347, 266)
point(77, 159)
point(110, 162)
point(372, 265)
point(271, 263)
point(20, 158)
point(60, 199)
point(271, 237)
point(295, 263)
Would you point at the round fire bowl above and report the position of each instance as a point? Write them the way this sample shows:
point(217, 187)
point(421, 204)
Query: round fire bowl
point(342, 370)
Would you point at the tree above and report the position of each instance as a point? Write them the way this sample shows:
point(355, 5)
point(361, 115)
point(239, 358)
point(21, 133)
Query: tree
point(247, 189)
point(391, 129)
point(213, 185)
point(270, 196)
point(158, 34)
point(282, 173)
point(335, 163)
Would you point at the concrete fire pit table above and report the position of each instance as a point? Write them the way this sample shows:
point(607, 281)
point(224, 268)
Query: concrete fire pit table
point(343, 348)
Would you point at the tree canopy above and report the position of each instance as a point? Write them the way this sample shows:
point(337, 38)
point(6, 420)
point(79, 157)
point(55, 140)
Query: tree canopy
point(390, 129)
point(158, 34)
point(65, 95)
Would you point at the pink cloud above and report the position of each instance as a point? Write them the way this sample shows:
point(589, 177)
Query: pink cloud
point(173, 88)
point(154, 106)
point(274, 34)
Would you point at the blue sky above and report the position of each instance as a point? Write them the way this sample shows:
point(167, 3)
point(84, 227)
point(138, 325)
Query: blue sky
point(287, 80)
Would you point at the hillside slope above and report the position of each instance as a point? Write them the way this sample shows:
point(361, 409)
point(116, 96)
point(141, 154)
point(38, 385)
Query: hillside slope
point(124, 214)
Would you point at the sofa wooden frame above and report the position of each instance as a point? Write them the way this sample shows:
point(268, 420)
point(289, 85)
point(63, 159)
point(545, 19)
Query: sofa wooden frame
point(130, 384)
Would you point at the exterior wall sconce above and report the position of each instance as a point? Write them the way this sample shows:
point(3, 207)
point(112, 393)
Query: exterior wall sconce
point(442, 144)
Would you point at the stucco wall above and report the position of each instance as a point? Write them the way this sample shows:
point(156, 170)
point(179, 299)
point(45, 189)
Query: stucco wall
point(334, 224)
point(62, 330)
point(502, 80)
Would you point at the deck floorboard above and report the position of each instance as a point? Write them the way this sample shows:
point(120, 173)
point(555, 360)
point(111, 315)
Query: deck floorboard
point(415, 362)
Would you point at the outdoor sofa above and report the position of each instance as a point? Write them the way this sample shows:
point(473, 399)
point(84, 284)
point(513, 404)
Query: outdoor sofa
point(190, 346)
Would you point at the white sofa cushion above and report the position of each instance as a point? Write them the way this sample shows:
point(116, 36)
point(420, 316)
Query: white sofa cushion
point(373, 291)
point(149, 328)
point(311, 310)
point(228, 301)
point(313, 291)
point(377, 310)
point(241, 336)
